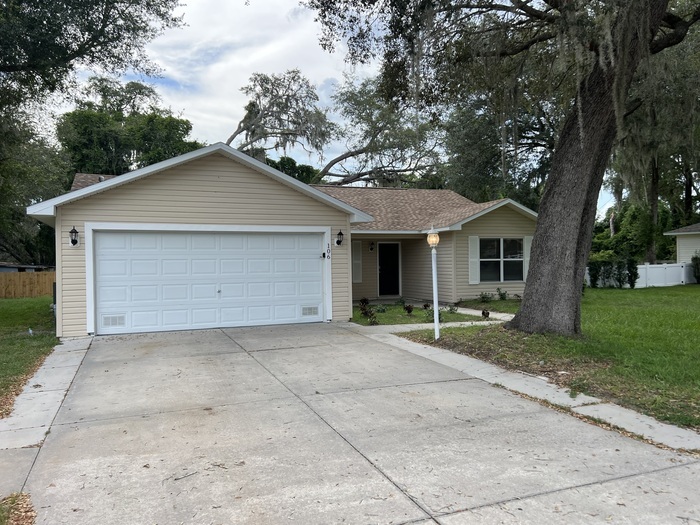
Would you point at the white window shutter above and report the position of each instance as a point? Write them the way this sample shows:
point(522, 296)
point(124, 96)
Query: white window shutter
point(527, 244)
point(356, 261)
point(474, 276)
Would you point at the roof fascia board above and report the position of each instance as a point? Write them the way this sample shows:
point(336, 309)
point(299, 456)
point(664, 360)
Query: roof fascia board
point(682, 233)
point(386, 232)
point(47, 209)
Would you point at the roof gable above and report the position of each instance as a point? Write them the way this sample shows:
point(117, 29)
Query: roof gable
point(46, 211)
point(416, 210)
point(686, 230)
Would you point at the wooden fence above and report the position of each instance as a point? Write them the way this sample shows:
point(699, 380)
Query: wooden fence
point(14, 285)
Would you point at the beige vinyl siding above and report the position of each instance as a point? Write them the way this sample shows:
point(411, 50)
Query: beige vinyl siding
point(686, 246)
point(418, 269)
point(502, 222)
point(212, 190)
point(369, 286)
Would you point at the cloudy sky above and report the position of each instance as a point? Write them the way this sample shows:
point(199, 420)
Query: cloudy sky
point(206, 62)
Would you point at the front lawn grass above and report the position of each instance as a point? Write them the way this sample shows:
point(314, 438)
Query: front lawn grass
point(395, 314)
point(640, 349)
point(507, 306)
point(21, 354)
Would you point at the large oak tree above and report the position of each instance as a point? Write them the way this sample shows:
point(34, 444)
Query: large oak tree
point(429, 46)
point(42, 43)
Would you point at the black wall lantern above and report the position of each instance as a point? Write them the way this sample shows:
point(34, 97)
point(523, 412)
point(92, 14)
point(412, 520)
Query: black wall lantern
point(73, 236)
point(339, 238)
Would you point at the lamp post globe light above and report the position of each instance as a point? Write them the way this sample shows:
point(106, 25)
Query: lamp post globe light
point(433, 241)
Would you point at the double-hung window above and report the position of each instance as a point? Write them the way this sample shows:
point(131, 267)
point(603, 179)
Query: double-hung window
point(498, 259)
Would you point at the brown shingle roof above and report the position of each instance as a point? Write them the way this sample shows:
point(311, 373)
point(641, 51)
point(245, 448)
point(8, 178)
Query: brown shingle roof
point(693, 228)
point(83, 180)
point(396, 209)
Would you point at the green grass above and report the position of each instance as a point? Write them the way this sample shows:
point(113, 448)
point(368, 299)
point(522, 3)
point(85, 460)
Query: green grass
point(21, 353)
point(395, 314)
point(640, 348)
point(508, 306)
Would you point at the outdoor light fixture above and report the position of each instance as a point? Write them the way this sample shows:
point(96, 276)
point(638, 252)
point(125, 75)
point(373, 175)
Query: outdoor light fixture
point(73, 237)
point(371, 246)
point(433, 241)
point(339, 238)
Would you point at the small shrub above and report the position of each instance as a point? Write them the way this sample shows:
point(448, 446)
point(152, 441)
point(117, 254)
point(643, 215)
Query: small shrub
point(619, 273)
point(594, 268)
point(695, 261)
point(430, 315)
point(363, 302)
point(408, 308)
point(372, 319)
point(485, 297)
point(502, 294)
point(400, 301)
point(380, 308)
point(367, 310)
point(632, 273)
point(426, 306)
point(452, 309)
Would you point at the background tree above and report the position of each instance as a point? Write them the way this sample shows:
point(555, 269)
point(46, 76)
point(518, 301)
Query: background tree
point(116, 128)
point(599, 44)
point(656, 159)
point(386, 142)
point(282, 112)
point(288, 165)
point(30, 170)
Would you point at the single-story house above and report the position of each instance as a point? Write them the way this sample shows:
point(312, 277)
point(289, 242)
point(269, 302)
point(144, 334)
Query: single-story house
point(687, 242)
point(215, 238)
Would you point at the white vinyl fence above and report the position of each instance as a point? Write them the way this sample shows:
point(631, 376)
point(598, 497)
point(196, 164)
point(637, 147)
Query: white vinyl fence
point(658, 275)
point(664, 274)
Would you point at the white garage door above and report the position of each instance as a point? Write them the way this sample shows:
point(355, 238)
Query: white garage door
point(157, 281)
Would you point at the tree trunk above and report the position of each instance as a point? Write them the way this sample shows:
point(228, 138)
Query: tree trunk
point(687, 194)
point(562, 241)
point(653, 210)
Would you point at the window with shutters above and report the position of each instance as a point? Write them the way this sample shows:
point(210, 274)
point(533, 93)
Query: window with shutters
point(501, 259)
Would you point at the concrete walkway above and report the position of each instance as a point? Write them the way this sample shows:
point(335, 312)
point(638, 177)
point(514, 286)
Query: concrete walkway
point(323, 424)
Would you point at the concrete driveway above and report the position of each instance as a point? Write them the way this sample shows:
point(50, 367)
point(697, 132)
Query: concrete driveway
point(319, 424)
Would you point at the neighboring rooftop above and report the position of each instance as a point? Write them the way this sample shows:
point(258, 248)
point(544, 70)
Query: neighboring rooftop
point(397, 209)
point(693, 228)
point(83, 180)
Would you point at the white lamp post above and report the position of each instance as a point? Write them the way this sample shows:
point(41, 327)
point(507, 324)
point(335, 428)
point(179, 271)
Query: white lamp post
point(433, 240)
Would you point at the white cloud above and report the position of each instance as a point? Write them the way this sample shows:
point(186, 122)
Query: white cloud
point(205, 64)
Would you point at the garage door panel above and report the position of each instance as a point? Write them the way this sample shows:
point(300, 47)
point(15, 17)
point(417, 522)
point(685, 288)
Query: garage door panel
point(204, 316)
point(232, 291)
point(174, 281)
point(113, 268)
point(310, 289)
point(232, 267)
point(147, 242)
point(144, 293)
point(175, 292)
point(204, 291)
point(175, 267)
point(232, 316)
point(145, 319)
point(256, 266)
point(174, 318)
point(204, 242)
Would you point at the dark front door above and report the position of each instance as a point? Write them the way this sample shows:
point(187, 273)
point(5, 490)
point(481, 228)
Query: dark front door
point(389, 273)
